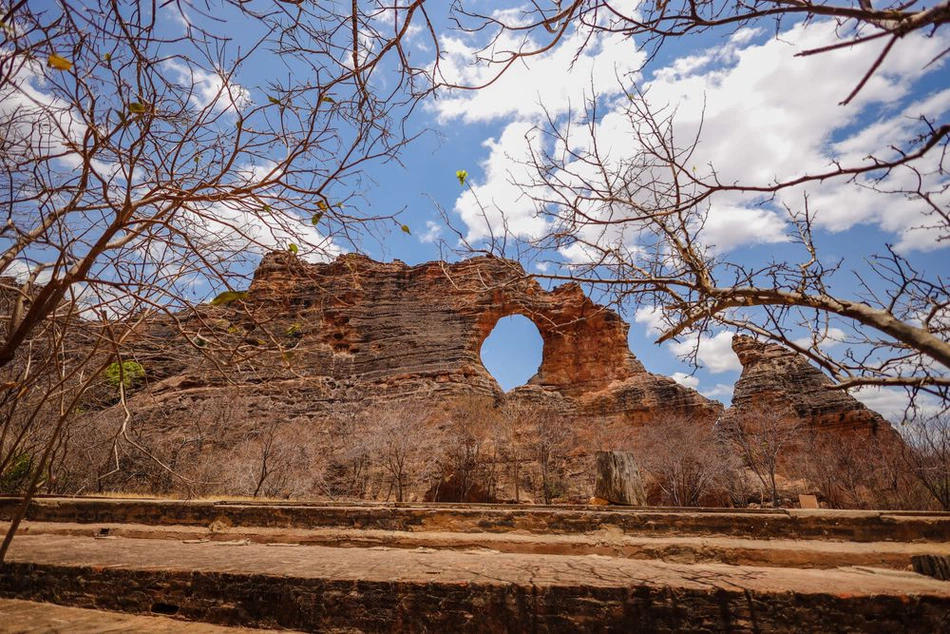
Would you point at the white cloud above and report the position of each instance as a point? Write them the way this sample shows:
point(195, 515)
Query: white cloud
point(765, 115)
point(488, 208)
point(21, 270)
point(826, 339)
point(551, 83)
point(721, 392)
point(728, 227)
point(211, 89)
point(242, 224)
point(892, 403)
point(432, 233)
point(651, 317)
point(714, 353)
point(234, 227)
point(685, 379)
point(176, 12)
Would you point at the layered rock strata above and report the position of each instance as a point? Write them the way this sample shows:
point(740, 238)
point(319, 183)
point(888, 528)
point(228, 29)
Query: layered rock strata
point(777, 379)
point(392, 328)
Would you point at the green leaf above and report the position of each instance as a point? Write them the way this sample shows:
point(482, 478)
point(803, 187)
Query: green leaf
point(293, 248)
point(405, 229)
point(228, 296)
point(137, 107)
point(59, 63)
point(274, 100)
point(327, 99)
point(128, 374)
point(462, 175)
point(268, 209)
point(107, 57)
point(317, 217)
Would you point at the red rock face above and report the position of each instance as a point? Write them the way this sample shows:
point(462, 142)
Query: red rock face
point(779, 379)
point(373, 322)
point(390, 319)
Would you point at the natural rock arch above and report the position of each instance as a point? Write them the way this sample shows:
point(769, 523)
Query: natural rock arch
point(518, 356)
point(393, 324)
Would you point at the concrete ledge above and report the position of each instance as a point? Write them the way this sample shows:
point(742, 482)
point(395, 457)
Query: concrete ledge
point(326, 589)
point(608, 542)
point(866, 526)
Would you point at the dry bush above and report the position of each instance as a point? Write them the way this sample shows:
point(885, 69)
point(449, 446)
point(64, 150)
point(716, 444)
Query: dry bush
point(399, 441)
point(762, 438)
point(687, 461)
point(928, 455)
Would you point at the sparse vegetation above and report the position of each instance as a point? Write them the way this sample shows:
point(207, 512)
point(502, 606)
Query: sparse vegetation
point(127, 374)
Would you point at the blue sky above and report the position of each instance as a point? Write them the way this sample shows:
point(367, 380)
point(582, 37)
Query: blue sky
point(765, 114)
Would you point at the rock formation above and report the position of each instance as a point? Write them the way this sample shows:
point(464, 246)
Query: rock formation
point(778, 379)
point(295, 386)
point(618, 478)
point(408, 329)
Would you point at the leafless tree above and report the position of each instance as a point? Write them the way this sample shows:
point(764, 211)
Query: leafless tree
point(141, 161)
point(762, 438)
point(550, 439)
point(928, 455)
point(400, 441)
point(467, 467)
point(686, 459)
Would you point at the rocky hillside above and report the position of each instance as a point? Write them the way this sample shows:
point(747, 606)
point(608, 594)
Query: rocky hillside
point(318, 368)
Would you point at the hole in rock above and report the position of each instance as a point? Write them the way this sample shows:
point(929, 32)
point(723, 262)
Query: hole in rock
point(512, 351)
point(164, 608)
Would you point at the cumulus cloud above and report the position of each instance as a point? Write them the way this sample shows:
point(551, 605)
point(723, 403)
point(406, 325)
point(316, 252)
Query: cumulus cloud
point(551, 83)
point(497, 203)
point(826, 339)
point(211, 89)
point(432, 233)
point(713, 352)
point(765, 115)
point(686, 380)
point(651, 317)
point(721, 392)
point(892, 403)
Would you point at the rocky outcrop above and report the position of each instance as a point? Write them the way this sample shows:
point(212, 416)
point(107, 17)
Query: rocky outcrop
point(292, 382)
point(388, 324)
point(778, 379)
point(375, 320)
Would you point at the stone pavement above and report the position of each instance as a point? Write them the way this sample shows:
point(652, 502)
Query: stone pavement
point(608, 541)
point(358, 568)
point(378, 589)
point(28, 617)
point(427, 565)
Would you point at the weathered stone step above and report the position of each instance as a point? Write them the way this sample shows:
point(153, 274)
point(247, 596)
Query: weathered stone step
point(609, 542)
point(861, 526)
point(31, 617)
point(316, 588)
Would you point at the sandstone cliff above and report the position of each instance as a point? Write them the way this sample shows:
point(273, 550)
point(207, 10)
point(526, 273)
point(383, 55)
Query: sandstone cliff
point(392, 331)
point(778, 379)
point(320, 377)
